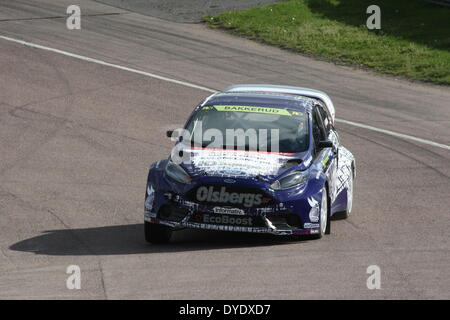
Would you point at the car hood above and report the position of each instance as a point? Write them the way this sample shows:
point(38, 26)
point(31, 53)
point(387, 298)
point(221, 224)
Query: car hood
point(239, 163)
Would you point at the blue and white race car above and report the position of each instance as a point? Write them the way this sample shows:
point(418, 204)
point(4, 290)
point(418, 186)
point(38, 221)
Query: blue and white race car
point(253, 158)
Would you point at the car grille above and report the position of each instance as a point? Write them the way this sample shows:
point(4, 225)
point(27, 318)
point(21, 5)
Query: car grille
point(172, 213)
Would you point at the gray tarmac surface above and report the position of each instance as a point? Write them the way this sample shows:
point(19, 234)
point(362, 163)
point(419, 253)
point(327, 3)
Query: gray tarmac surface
point(186, 10)
point(77, 139)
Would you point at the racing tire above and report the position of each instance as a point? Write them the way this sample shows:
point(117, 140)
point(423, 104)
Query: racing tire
point(324, 216)
point(157, 233)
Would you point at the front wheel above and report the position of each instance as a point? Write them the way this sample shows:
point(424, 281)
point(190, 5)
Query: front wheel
point(325, 227)
point(157, 233)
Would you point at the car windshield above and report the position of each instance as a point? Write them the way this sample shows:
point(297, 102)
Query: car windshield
point(249, 128)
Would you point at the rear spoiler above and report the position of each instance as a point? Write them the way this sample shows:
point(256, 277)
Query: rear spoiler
point(311, 93)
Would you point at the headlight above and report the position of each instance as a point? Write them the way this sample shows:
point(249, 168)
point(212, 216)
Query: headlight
point(291, 180)
point(177, 173)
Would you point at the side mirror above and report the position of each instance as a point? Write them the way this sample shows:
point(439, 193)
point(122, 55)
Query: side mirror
point(325, 144)
point(169, 133)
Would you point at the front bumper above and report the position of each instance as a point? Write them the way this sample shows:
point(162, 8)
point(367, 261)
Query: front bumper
point(270, 228)
point(293, 212)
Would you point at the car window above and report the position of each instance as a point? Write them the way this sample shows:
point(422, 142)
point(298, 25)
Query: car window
point(288, 127)
point(325, 119)
point(318, 129)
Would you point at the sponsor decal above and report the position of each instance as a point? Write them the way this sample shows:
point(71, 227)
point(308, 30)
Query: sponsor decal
point(234, 211)
point(311, 225)
point(234, 172)
point(267, 110)
point(325, 162)
point(149, 215)
point(237, 163)
point(271, 209)
point(246, 199)
point(225, 219)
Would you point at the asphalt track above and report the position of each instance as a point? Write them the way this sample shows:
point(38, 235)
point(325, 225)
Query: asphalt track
point(77, 138)
point(186, 11)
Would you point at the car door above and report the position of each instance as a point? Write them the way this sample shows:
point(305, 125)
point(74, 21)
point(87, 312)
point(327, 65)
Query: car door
point(322, 131)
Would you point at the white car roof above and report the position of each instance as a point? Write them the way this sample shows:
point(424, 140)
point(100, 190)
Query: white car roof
point(322, 96)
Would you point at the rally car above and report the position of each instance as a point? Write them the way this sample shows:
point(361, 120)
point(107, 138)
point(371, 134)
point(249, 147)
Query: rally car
point(253, 158)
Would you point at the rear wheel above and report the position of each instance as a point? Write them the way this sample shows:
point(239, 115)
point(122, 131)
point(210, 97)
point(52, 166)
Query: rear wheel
point(157, 233)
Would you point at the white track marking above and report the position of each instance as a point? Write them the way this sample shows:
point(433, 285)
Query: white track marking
point(395, 134)
point(191, 85)
point(104, 63)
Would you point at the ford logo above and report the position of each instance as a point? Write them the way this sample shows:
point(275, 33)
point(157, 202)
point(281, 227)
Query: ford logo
point(229, 181)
